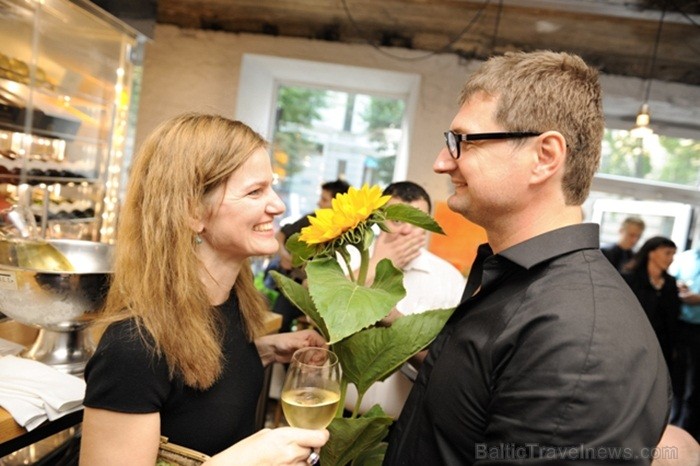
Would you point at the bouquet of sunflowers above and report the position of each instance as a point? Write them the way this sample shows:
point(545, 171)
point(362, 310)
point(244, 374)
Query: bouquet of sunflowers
point(348, 313)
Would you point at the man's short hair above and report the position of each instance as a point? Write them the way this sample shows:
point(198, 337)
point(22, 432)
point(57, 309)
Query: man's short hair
point(408, 191)
point(336, 187)
point(633, 221)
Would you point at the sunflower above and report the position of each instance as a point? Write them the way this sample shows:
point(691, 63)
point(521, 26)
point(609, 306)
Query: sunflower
point(347, 212)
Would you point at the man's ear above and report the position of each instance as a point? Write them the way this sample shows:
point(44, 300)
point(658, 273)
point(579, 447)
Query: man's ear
point(551, 156)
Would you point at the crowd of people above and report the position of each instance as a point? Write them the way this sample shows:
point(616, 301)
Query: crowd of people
point(666, 285)
point(549, 345)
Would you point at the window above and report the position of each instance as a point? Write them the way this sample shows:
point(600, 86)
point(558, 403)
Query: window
point(327, 120)
point(654, 158)
point(669, 219)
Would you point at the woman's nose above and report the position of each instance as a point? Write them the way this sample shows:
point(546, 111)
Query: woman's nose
point(275, 206)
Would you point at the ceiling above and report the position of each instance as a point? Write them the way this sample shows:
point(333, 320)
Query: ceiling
point(617, 36)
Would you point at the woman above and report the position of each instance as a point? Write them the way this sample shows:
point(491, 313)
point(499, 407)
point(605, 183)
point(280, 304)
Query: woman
point(656, 289)
point(182, 356)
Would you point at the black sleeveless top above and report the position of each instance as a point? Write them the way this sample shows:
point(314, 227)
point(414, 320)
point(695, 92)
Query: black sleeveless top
point(124, 376)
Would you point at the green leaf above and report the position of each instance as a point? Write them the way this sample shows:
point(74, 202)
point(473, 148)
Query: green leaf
point(409, 214)
point(299, 296)
point(375, 353)
point(345, 306)
point(372, 456)
point(350, 437)
point(301, 251)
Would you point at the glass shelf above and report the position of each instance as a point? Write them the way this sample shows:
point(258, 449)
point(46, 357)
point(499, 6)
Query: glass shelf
point(67, 71)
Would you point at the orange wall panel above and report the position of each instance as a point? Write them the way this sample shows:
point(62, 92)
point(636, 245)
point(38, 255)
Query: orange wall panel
point(461, 239)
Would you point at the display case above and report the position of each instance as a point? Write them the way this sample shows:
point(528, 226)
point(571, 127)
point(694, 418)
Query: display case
point(67, 75)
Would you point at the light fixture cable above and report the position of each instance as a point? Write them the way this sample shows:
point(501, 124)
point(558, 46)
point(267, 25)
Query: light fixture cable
point(641, 127)
point(655, 50)
point(443, 49)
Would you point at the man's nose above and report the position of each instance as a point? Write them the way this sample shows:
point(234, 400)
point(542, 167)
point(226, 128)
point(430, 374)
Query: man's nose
point(443, 162)
point(405, 228)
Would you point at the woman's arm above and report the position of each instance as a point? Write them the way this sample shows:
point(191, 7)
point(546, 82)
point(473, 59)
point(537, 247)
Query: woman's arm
point(114, 438)
point(280, 347)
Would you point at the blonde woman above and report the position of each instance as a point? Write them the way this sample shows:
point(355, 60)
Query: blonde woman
point(182, 356)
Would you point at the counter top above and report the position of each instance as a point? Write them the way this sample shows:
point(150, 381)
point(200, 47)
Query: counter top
point(25, 335)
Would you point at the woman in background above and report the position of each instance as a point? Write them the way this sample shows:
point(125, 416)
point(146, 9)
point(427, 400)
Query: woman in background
point(183, 356)
point(656, 290)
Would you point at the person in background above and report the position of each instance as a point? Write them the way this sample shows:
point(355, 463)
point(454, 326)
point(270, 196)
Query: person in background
point(646, 274)
point(183, 356)
point(540, 353)
point(284, 265)
point(620, 253)
point(424, 274)
point(686, 269)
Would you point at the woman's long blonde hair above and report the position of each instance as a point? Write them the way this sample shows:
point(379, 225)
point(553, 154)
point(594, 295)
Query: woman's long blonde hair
point(156, 273)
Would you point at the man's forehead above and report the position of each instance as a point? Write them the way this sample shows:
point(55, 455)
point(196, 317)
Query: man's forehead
point(421, 204)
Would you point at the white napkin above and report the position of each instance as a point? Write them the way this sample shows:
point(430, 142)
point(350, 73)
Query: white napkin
point(9, 347)
point(33, 392)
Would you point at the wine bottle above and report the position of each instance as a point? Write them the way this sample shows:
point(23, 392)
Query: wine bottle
point(34, 255)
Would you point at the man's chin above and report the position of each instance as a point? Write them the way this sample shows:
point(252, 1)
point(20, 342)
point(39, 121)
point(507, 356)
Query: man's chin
point(457, 204)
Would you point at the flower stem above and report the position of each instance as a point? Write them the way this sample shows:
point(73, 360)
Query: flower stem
point(343, 391)
point(364, 265)
point(356, 409)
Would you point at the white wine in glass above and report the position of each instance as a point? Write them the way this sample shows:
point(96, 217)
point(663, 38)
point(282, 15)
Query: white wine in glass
point(311, 390)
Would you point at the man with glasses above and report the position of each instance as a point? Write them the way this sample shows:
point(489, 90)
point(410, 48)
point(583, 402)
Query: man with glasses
point(549, 358)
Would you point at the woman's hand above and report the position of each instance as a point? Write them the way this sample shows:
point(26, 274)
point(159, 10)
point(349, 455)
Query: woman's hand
point(281, 346)
point(690, 298)
point(272, 447)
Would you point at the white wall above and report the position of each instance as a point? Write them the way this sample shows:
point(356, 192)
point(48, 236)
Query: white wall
point(193, 70)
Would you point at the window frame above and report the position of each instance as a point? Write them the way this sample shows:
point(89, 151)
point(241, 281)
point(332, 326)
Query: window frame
point(261, 76)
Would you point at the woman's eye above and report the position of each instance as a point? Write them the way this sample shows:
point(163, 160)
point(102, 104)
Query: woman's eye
point(255, 192)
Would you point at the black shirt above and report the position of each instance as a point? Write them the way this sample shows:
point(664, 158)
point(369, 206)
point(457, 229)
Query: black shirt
point(124, 376)
point(617, 256)
point(296, 227)
point(553, 351)
point(662, 307)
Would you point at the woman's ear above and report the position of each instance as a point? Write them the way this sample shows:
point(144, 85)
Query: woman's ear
point(551, 156)
point(196, 225)
point(196, 220)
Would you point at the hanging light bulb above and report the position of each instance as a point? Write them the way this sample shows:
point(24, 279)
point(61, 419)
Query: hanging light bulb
point(641, 127)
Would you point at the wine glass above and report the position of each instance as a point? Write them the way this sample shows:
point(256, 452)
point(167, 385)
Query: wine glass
point(311, 390)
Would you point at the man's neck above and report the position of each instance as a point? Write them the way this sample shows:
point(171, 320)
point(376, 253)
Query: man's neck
point(533, 222)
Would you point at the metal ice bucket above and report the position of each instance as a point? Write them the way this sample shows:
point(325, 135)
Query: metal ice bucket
point(59, 303)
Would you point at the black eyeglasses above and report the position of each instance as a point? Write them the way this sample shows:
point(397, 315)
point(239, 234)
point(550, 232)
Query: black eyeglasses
point(453, 139)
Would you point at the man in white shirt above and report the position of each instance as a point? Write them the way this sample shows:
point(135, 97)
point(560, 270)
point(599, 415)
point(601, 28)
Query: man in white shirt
point(430, 282)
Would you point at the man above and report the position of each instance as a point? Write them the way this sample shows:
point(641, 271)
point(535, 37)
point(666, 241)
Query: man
point(282, 305)
point(549, 359)
point(621, 252)
point(686, 268)
point(423, 274)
